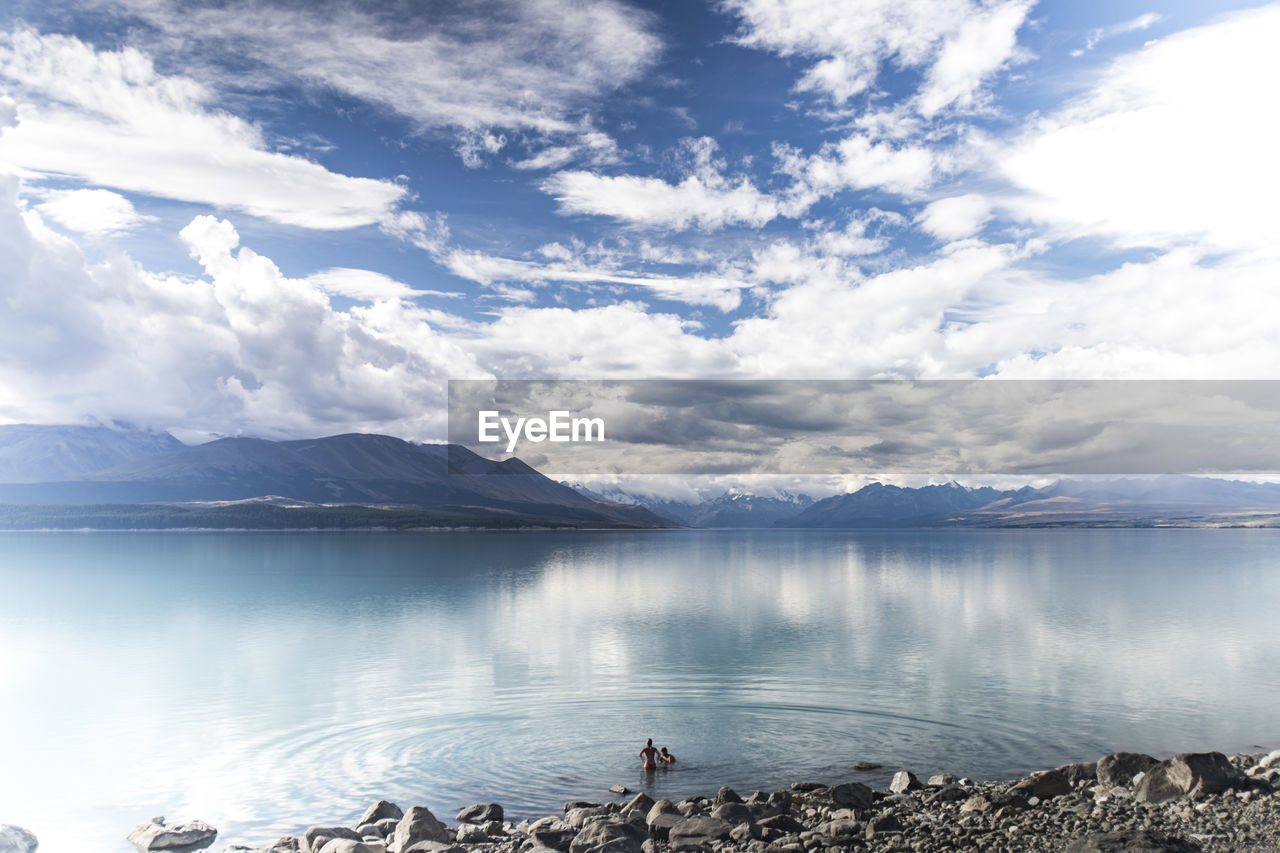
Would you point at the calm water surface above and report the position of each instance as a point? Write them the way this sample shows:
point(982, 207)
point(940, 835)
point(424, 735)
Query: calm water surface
point(268, 682)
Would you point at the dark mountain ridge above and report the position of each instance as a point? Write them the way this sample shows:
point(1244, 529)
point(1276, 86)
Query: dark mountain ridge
point(353, 469)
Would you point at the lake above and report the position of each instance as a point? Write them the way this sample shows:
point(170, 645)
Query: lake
point(266, 682)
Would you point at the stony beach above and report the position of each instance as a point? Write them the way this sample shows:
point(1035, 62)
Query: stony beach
point(1123, 801)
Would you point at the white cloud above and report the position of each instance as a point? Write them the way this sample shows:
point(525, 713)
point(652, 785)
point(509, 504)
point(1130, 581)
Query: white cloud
point(718, 291)
point(955, 218)
point(705, 199)
point(985, 43)
point(958, 44)
point(479, 67)
point(369, 286)
point(1100, 34)
point(856, 162)
point(1172, 146)
point(95, 213)
point(110, 119)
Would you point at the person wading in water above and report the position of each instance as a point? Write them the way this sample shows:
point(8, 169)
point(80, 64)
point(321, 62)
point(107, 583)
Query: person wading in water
point(650, 755)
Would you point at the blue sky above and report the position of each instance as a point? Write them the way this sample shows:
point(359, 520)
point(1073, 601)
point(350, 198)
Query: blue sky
point(304, 218)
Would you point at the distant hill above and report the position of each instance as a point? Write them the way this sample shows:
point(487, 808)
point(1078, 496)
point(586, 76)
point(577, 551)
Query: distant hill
point(32, 453)
point(1158, 501)
point(353, 469)
point(878, 505)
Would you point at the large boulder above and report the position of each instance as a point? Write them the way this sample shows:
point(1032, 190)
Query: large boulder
point(699, 831)
point(641, 802)
point(552, 832)
point(1045, 784)
point(381, 810)
point(1080, 771)
point(904, 780)
point(418, 824)
point(1119, 768)
point(853, 795)
point(607, 837)
point(726, 795)
point(480, 813)
point(733, 813)
point(15, 839)
point(1189, 774)
point(158, 835)
point(315, 838)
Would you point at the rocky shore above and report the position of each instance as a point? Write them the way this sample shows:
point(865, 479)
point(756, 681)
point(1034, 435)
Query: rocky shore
point(1124, 801)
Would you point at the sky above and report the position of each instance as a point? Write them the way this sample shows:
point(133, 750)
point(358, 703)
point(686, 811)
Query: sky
point(295, 219)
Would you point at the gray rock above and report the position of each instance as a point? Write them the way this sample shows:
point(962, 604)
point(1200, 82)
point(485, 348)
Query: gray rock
point(1271, 759)
point(884, 824)
point(976, 803)
point(806, 787)
point(578, 818)
point(1190, 774)
point(480, 813)
point(580, 804)
point(1130, 841)
point(285, 844)
point(840, 828)
point(733, 813)
point(367, 829)
point(660, 825)
point(15, 839)
point(553, 833)
point(471, 833)
point(1045, 784)
point(346, 845)
point(387, 825)
point(1081, 771)
point(783, 823)
point(903, 780)
point(317, 837)
point(948, 794)
point(620, 790)
point(941, 780)
point(726, 795)
point(1119, 768)
point(661, 807)
point(606, 837)
point(418, 824)
point(701, 830)
point(434, 847)
point(381, 810)
point(641, 802)
point(157, 835)
point(780, 800)
point(866, 765)
point(853, 795)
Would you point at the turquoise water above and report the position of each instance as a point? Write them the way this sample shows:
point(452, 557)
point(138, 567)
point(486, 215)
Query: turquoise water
point(267, 682)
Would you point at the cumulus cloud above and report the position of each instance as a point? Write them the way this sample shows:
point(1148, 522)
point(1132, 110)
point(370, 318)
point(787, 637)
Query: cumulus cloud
point(957, 44)
point(110, 119)
point(957, 217)
point(1170, 147)
point(857, 162)
point(705, 199)
point(94, 213)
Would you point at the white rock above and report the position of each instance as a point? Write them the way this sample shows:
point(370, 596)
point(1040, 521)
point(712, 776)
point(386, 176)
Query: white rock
point(1271, 759)
point(158, 835)
point(15, 839)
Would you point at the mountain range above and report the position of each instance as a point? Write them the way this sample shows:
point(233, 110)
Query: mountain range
point(73, 476)
point(341, 470)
